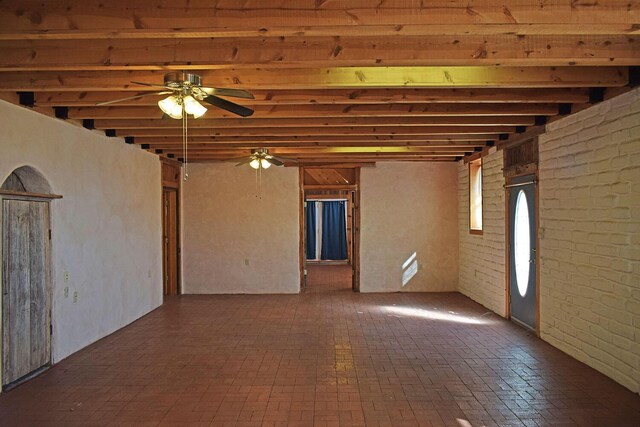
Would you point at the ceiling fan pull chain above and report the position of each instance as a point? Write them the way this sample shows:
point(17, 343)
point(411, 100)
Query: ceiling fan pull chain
point(185, 135)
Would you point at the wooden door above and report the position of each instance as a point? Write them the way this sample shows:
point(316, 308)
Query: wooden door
point(26, 293)
point(170, 241)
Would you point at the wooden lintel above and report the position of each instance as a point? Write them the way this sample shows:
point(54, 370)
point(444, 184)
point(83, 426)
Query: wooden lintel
point(329, 187)
point(18, 194)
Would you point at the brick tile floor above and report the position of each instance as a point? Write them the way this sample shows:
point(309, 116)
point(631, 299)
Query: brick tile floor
point(320, 359)
point(328, 277)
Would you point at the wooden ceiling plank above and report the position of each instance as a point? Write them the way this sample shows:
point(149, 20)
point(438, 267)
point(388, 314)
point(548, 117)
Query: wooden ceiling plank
point(341, 96)
point(337, 77)
point(34, 15)
point(317, 52)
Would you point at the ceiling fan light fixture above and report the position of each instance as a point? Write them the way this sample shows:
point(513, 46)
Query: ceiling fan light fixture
point(171, 106)
point(193, 107)
point(266, 164)
point(255, 163)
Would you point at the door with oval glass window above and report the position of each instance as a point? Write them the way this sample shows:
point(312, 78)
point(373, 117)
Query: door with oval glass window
point(522, 250)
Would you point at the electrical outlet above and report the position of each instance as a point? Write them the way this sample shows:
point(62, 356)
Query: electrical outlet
point(75, 297)
point(66, 276)
point(66, 292)
point(149, 274)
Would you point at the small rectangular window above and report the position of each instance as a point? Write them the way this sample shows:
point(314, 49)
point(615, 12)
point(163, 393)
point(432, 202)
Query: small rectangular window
point(475, 196)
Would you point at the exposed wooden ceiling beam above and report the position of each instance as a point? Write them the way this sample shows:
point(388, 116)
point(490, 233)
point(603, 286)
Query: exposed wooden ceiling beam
point(340, 96)
point(161, 138)
point(324, 111)
point(35, 15)
point(278, 145)
point(324, 132)
point(317, 122)
point(339, 77)
point(304, 52)
point(390, 30)
point(205, 158)
point(307, 151)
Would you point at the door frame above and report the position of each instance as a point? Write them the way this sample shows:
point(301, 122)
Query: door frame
point(176, 189)
point(354, 193)
point(507, 282)
point(28, 197)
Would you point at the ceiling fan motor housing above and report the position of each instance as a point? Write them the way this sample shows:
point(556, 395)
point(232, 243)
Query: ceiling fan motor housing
point(180, 79)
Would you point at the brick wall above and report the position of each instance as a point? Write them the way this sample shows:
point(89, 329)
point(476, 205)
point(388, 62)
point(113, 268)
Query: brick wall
point(590, 237)
point(481, 257)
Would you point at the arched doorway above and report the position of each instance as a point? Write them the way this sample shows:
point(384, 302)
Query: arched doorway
point(26, 280)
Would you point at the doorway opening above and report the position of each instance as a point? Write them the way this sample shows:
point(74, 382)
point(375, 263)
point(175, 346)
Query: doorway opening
point(26, 275)
point(329, 229)
point(171, 229)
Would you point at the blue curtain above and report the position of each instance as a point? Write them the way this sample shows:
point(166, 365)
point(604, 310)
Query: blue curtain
point(311, 230)
point(334, 232)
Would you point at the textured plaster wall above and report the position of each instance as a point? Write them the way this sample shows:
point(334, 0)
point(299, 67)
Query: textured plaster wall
point(590, 237)
point(107, 230)
point(482, 266)
point(235, 242)
point(409, 208)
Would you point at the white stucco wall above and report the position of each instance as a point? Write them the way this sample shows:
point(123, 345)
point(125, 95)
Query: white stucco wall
point(235, 242)
point(481, 264)
point(107, 230)
point(409, 208)
point(590, 237)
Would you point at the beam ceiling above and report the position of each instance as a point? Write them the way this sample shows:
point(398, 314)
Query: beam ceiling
point(335, 81)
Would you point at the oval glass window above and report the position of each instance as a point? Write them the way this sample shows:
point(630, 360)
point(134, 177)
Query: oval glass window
point(522, 243)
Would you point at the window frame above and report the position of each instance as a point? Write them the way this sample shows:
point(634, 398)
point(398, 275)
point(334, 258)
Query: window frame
point(477, 163)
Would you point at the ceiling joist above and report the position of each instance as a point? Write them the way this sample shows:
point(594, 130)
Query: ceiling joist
point(337, 111)
point(29, 16)
point(338, 77)
point(341, 96)
point(317, 52)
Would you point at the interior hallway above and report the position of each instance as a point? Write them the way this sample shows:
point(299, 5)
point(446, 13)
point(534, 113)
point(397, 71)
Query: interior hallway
point(328, 277)
point(321, 359)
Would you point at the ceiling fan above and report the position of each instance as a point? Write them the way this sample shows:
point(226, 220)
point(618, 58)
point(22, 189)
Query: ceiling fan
point(261, 159)
point(185, 90)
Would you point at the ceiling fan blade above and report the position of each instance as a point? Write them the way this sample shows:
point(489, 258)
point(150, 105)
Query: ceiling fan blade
point(100, 104)
point(274, 161)
point(235, 93)
point(243, 160)
point(282, 160)
point(150, 84)
point(229, 106)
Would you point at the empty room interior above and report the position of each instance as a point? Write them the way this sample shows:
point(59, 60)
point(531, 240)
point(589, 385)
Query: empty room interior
point(320, 213)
